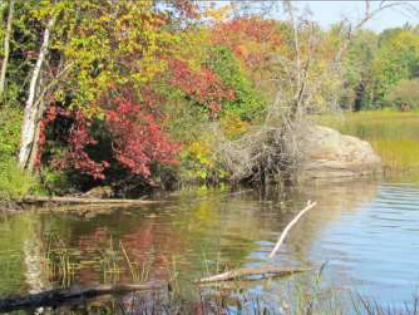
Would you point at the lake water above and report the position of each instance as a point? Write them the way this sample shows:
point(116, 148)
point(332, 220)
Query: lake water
point(365, 233)
point(366, 230)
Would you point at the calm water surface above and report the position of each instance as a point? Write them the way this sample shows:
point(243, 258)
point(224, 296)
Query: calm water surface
point(367, 231)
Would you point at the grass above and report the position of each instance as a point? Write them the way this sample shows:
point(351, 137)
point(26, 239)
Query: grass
point(394, 135)
point(15, 183)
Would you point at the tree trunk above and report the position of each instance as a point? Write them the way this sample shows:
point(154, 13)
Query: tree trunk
point(40, 105)
point(6, 49)
point(32, 108)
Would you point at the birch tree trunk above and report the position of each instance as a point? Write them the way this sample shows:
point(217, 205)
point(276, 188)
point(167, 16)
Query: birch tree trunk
point(32, 108)
point(40, 106)
point(6, 48)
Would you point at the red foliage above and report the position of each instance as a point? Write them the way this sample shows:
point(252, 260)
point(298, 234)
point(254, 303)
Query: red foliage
point(235, 34)
point(186, 8)
point(49, 117)
point(252, 28)
point(75, 157)
point(138, 139)
point(41, 142)
point(203, 87)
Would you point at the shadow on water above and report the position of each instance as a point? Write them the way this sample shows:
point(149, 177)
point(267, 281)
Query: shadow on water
point(202, 232)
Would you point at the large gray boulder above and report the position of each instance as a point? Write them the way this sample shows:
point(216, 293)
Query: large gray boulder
point(326, 153)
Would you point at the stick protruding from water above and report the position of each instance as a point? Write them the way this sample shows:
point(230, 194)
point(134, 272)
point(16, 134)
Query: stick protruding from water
point(310, 205)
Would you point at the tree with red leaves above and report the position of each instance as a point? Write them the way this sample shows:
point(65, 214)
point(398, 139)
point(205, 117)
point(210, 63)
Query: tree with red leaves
point(203, 87)
point(249, 38)
point(78, 138)
point(138, 140)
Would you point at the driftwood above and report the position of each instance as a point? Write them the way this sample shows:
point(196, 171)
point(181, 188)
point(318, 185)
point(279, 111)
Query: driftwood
point(261, 271)
point(266, 270)
point(80, 200)
point(310, 205)
point(61, 296)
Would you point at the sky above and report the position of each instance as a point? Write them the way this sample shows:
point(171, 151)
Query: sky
point(327, 12)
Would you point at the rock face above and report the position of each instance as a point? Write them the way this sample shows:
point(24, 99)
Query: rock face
point(326, 153)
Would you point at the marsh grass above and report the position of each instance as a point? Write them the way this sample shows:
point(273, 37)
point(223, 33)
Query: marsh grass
point(394, 135)
point(299, 302)
point(59, 263)
point(305, 295)
point(63, 264)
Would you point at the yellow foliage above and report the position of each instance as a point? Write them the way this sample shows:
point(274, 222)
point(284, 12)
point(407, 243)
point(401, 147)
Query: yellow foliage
point(219, 14)
point(200, 152)
point(200, 162)
point(104, 48)
point(233, 126)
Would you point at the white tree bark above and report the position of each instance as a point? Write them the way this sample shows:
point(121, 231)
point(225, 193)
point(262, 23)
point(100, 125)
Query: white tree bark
point(6, 48)
point(31, 113)
point(284, 233)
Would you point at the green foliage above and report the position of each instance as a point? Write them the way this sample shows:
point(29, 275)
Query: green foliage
point(10, 124)
point(184, 78)
point(15, 183)
point(107, 49)
point(199, 162)
point(375, 64)
point(396, 59)
point(405, 95)
point(23, 42)
point(248, 103)
point(361, 53)
point(55, 182)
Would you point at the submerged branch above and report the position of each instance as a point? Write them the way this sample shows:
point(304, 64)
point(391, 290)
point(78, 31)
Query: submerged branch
point(80, 200)
point(242, 272)
point(61, 296)
point(265, 270)
point(281, 239)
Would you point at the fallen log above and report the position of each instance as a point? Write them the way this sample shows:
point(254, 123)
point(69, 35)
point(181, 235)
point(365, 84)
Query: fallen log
point(81, 200)
point(61, 296)
point(266, 271)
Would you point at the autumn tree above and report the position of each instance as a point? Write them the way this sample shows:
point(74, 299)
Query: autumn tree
point(93, 45)
point(396, 59)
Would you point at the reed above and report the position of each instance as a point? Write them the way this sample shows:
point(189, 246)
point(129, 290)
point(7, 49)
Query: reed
point(394, 135)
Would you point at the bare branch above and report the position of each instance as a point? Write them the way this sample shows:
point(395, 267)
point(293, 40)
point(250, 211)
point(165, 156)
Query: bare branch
point(310, 205)
point(242, 272)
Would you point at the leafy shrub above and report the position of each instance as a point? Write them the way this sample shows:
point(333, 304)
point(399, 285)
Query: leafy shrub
point(233, 127)
point(10, 124)
point(203, 87)
point(15, 183)
point(56, 182)
point(248, 103)
point(139, 141)
point(199, 162)
point(405, 95)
